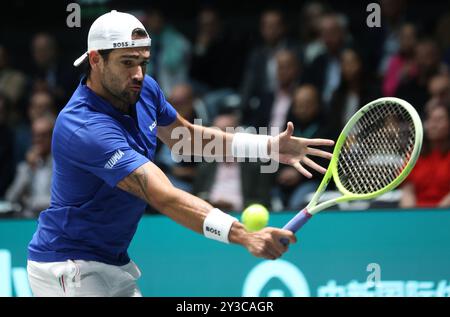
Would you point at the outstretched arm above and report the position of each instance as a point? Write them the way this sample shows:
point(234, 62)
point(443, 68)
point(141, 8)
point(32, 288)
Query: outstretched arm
point(150, 184)
point(188, 139)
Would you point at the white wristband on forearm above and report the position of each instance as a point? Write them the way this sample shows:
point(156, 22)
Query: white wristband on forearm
point(250, 145)
point(217, 225)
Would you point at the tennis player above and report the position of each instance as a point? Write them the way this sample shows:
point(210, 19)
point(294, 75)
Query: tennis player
point(103, 175)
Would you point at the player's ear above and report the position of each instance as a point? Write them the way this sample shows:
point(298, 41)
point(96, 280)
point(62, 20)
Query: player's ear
point(94, 59)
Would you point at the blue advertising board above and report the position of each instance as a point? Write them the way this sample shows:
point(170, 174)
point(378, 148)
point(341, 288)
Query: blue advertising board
point(357, 253)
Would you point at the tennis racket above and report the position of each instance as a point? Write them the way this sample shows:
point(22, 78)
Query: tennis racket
point(374, 153)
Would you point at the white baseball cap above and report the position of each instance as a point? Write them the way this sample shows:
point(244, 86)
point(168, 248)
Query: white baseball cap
point(113, 30)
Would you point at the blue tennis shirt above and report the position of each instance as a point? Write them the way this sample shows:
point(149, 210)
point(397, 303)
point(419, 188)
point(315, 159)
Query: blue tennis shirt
point(94, 147)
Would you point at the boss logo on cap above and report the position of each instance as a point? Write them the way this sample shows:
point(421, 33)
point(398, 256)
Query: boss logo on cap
point(120, 44)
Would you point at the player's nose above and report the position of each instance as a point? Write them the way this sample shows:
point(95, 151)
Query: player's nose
point(138, 74)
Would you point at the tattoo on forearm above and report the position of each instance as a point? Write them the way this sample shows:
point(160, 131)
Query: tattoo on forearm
point(136, 184)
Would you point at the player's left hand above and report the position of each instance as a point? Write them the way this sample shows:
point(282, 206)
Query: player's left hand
point(294, 151)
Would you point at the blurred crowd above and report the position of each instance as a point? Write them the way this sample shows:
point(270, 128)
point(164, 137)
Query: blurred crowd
point(317, 77)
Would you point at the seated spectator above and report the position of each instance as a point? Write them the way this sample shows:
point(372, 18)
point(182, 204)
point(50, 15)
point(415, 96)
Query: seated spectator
point(260, 75)
point(401, 65)
point(41, 103)
point(170, 51)
point(393, 15)
point(272, 108)
point(442, 35)
point(6, 146)
point(428, 185)
point(217, 61)
point(271, 114)
point(439, 88)
point(31, 185)
point(309, 29)
point(180, 174)
point(355, 90)
point(12, 83)
point(221, 183)
point(288, 71)
point(325, 71)
point(50, 72)
point(306, 116)
point(428, 61)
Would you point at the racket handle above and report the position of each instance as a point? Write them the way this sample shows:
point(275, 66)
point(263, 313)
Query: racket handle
point(296, 223)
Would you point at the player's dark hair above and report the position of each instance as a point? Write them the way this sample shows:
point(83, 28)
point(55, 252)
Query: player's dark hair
point(103, 53)
point(139, 33)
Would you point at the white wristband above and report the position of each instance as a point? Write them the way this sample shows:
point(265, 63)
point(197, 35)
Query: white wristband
point(250, 145)
point(217, 225)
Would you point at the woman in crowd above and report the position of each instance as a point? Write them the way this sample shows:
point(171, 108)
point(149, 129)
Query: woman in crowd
point(428, 185)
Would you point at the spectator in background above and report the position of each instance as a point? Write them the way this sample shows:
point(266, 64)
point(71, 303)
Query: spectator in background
point(273, 107)
point(31, 185)
point(356, 89)
point(41, 103)
point(439, 88)
point(50, 73)
point(443, 36)
point(309, 27)
point(12, 83)
point(325, 71)
point(170, 51)
point(6, 146)
point(260, 71)
point(392, 17)
point(222, 183)
point(306, 115)
point(272, 112)
point(180, 174)
point(401, 66)
point(428, 185)
point(428, 61)
point(217, 55)
point(288, 70)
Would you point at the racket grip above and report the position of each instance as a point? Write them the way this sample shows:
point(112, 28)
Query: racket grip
point(296, 223)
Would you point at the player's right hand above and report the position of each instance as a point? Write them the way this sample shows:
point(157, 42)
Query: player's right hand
point(266, 243)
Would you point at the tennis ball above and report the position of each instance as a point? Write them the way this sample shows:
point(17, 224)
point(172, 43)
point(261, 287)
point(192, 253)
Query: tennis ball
point(255, 217)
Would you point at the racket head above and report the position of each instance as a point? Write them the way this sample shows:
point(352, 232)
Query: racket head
point(370, 126)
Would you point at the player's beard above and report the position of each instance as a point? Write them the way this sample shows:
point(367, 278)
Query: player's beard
point(113, 86)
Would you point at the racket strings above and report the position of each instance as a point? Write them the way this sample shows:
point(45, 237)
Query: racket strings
point(376, 149)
